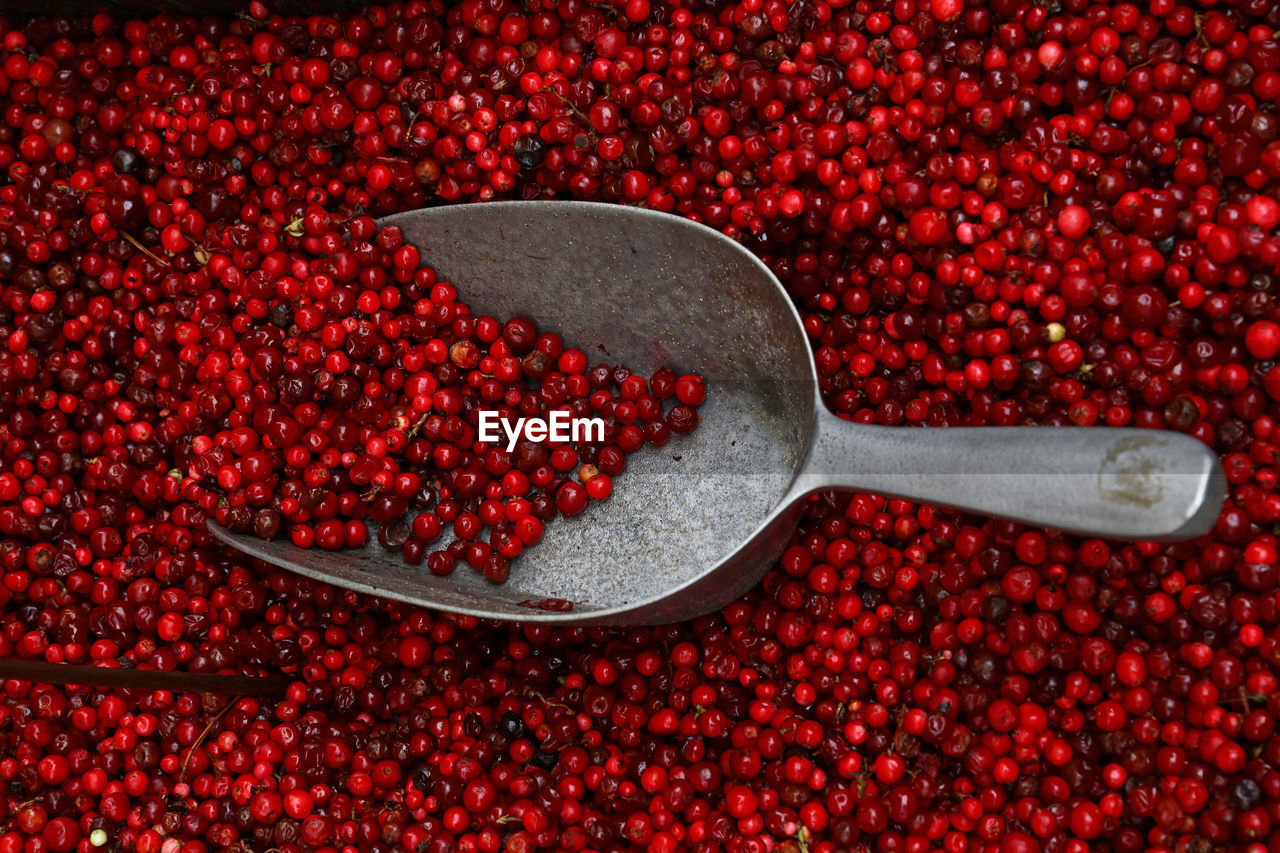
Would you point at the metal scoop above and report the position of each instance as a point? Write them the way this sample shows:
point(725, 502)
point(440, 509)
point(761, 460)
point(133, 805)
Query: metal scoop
point(696, 523)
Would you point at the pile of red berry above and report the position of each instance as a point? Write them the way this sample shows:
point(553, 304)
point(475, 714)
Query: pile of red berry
point(335, 410)
point(987, 213)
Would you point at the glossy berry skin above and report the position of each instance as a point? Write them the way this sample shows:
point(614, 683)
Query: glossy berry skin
point(691, 390)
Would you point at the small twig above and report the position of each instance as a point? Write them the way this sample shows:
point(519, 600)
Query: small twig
point(204, 734)
point(143, 249)
point(575, 112)
point(413, 430)
point(145, 679)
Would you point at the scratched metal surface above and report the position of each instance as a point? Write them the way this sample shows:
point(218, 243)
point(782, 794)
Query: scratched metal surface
point(655, 290)
point(1110, 482)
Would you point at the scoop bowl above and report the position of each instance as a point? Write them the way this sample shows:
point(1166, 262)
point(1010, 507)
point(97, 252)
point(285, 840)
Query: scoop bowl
point(696, 523)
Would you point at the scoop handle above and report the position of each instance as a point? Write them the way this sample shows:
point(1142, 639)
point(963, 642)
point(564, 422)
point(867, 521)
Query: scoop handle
point(1118, 483)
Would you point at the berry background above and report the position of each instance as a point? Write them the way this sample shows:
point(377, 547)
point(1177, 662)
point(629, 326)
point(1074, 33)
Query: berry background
point(1010, 212)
